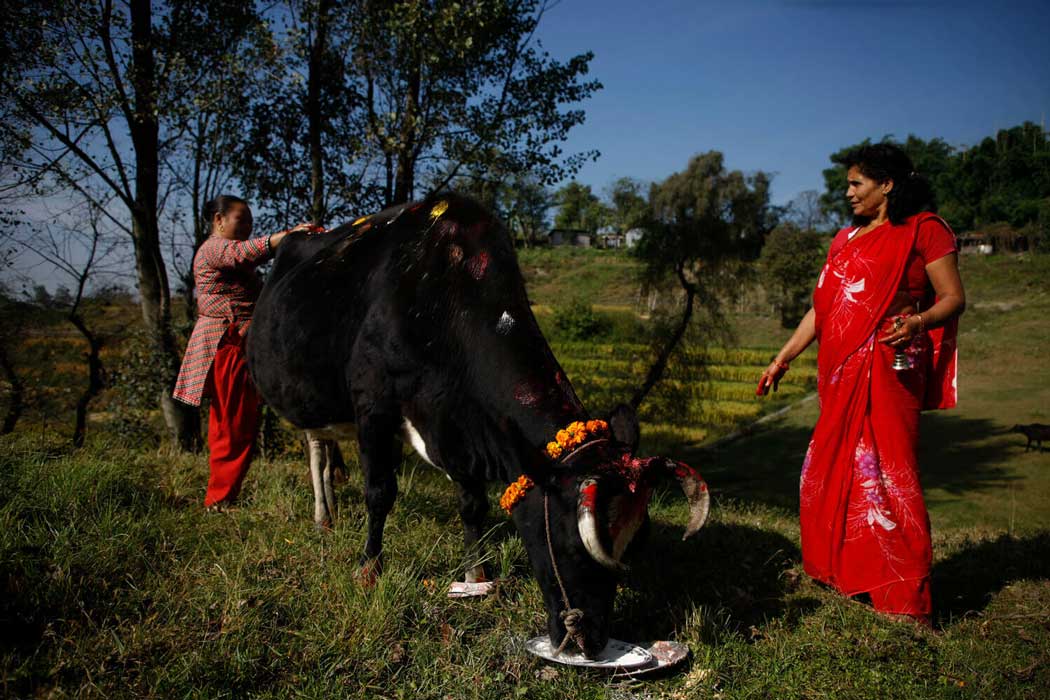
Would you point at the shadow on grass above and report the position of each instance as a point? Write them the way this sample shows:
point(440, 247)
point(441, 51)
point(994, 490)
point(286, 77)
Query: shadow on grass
point(962, 455)
point(740, 575)
point(957, 454)
point(762, 467)
point(965, 582)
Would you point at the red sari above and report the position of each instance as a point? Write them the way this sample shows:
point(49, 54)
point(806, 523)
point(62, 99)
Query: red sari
point(864, 523)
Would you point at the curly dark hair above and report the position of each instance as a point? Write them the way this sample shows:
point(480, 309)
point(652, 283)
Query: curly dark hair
point(911, 191)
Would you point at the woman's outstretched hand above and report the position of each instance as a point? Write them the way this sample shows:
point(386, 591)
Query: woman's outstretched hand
point(771, 377)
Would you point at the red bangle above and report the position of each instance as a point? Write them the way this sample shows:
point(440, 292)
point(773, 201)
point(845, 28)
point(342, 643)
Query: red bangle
point(782, 365)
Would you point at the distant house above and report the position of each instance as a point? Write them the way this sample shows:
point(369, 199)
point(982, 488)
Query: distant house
point(975, 242)
point(632, 237)
point(609, 237)
point(578, 238)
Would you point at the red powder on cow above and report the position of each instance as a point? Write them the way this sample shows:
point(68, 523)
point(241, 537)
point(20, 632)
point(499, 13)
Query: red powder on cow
point(447, 227)
point(589, 497)
point(525, 394)
point(477, 265)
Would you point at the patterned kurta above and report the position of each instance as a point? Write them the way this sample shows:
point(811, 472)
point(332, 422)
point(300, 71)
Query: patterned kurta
point(227, 288)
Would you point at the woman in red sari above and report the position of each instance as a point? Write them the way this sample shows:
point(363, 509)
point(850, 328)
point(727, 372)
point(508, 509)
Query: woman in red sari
point(885, 312)
point(214, 365)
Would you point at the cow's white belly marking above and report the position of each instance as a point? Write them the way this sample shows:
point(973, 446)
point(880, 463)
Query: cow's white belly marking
point(416, 440)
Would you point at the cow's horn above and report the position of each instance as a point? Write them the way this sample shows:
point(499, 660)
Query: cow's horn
point(587, 521)
point(695, 492)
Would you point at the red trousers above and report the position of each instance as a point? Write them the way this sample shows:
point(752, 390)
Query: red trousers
point(232, 422)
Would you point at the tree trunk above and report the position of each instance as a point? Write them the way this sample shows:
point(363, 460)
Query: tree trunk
point(183, 422)
point(656, 372)
point(94, 386)
point(388, 187)
point(406, 160)
point(14, 409)
point(314, 113)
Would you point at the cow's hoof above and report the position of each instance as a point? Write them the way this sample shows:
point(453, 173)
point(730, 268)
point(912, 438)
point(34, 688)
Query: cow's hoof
point(323, 525)
point(367, 575)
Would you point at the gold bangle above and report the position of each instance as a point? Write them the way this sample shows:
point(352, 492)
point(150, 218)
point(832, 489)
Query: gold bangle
point(922, 323)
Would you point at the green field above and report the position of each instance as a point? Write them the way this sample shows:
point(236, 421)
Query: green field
point(117, 584)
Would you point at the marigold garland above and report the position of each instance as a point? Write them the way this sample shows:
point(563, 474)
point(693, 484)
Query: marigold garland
point(515, 492)
point(574, 435)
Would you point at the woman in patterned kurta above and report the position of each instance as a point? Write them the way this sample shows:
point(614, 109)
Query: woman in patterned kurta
point(890, 285)
point(214, 364)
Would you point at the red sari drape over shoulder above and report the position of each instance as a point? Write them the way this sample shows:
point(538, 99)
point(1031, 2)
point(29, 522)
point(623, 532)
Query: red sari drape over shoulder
point(864, 523)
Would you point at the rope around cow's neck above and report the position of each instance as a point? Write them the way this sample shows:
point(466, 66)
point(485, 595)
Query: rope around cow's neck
point(571, 617)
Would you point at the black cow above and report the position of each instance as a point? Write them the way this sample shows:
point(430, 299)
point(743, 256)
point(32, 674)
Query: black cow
point(414, 323)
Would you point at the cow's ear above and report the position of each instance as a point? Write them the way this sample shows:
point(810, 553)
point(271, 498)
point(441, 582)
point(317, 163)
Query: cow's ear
point(623, 422)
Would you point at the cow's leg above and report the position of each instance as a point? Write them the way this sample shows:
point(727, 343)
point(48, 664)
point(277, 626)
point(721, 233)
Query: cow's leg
point(473, 506)
point(318, 459)
point(339, 471)
point(380, 458)
point(328, 476)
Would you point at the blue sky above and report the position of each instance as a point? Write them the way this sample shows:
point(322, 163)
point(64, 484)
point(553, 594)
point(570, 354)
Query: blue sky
point(778, 86)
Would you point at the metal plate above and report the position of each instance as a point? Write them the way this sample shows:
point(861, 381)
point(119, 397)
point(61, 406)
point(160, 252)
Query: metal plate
point(463, 589)
point(666, 655)
point(615, 656)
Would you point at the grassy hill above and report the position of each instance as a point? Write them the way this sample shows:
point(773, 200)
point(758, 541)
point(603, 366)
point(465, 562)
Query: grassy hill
point(117, 584)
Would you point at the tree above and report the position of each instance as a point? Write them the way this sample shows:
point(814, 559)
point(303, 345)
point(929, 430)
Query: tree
point(805, 211)
point(304, 156)
point(99, 92)
point(629, 207)
point(400, 93)
point(525, 207)
point(450, 87)
point(790, 261)
point(80, 255)
point(579, 208)
point(705, 220)
point(12, 319)
point(1001, 179)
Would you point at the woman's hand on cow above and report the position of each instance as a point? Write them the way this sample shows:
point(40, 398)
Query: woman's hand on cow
point(308, 227)
point(305, 227)
point(771, 377)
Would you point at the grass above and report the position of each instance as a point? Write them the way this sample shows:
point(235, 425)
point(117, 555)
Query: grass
point(117, 584)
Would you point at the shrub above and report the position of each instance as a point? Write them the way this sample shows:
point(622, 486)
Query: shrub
point(791, 260)
point(578, 320)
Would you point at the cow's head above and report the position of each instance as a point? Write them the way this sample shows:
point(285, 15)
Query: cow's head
point(596, 500)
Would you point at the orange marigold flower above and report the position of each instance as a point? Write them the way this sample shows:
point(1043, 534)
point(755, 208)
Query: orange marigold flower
point(563, 437)
point(576, 427)
point(554, 450)
point(515, 492)
point(597, 426)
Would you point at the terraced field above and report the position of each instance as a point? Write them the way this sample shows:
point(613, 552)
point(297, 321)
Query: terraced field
point(704, 395)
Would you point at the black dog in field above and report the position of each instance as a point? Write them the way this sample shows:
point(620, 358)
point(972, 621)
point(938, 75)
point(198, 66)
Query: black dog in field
point(1036, 432)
